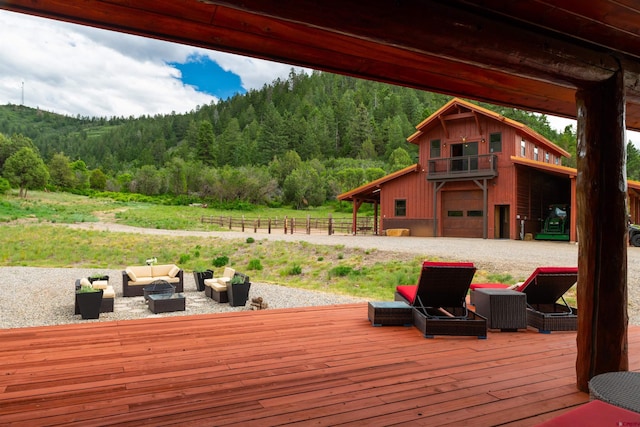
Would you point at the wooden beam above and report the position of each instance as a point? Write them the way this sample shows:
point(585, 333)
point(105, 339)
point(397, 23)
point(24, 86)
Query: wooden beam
point(602, 231)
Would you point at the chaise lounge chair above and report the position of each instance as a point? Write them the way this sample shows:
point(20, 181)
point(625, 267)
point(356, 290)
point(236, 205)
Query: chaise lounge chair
point(544, 288)
point(438, 300)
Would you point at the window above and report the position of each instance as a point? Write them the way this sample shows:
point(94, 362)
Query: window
point(546, 157)
point(435, 148)
point(495, 143)
point(523, 148)
point(401, 207)
point(455, 213)
point(535, 153)
point(474, 213)
point(556, 160)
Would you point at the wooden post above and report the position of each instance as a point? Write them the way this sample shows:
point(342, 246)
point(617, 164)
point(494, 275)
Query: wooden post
point(269, 225)
point(230, 223)
point(375, 218)
point(242, 223)
point(602, 230)
point(308, 224)
point(354, 216)
point(293, 222)
point(330, 228)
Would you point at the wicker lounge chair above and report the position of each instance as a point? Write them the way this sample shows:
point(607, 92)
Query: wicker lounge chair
point(438, 301)
point(544, 288)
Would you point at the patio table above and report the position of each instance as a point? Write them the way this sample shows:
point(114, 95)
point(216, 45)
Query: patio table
point(621, 389)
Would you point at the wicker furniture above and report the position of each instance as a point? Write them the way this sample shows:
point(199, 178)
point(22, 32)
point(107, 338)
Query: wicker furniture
point(390, 313)
point(439, 301)
point(544, 288)
point(135, 278)
point(216, 287)
point(164, 303)
point(620, 389)
point(108, 294)
point(505, 309)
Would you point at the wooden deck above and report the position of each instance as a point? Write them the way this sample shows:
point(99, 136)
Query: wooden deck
point(318, 365)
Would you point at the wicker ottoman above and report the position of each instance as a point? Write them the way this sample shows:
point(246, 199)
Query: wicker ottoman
point(164, 303)
point(390, 313)
point(505, 309)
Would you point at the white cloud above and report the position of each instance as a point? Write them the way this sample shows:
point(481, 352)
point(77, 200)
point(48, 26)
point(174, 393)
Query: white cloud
point(78, 70)
point(559, 124)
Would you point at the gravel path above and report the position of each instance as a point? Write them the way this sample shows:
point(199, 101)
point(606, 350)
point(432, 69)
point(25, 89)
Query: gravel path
point(52, 299)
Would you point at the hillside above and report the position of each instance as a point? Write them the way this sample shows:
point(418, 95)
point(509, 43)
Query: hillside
point(321, 116)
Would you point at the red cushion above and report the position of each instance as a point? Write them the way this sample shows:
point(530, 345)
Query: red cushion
point(595, 414)
point(488, 286)
point(407, 291)
point(446, 264)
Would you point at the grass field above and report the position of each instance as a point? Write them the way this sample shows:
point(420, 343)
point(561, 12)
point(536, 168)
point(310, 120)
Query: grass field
point(31, 236)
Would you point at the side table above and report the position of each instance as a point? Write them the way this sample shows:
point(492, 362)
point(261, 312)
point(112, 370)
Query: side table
point(164, 303)
point(390, 313)
point(620, 389)
point(505, 309)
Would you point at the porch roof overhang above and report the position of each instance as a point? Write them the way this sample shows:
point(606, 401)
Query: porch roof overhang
point(531, 54)
point(370, 192)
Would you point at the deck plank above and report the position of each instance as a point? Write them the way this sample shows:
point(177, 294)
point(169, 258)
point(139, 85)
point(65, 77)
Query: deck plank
point(319, 365)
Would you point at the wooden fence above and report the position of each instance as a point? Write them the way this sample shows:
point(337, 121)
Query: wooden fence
point(290, 225)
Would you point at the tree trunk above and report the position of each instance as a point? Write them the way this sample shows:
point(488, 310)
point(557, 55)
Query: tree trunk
point(602, 230)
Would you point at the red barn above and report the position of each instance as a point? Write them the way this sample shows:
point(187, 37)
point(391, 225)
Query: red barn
point(479, 174)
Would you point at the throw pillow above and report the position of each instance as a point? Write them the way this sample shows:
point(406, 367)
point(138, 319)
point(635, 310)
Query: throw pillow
point(85, 282)
point(131, 274)
point(174, 271)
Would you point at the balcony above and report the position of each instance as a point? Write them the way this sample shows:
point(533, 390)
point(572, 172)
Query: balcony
point(463, 167)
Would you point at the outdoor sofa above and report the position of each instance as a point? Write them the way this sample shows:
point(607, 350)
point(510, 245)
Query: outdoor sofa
point(135, 278)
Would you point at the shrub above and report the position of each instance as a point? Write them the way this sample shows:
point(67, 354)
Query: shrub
point(250, 240)
point(254, 264)
point(184, 258)
point(320, 258)
point(220, 261)
point(295, 270)
point(340, 271)
point(4, 186)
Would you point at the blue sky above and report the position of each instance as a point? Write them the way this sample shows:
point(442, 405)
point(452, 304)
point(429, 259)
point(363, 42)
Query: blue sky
point(208, 77)
point(78, 70)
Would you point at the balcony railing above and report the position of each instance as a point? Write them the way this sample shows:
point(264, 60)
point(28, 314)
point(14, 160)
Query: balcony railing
point(463, 167)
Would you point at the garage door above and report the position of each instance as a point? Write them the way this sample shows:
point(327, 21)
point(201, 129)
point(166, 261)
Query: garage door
point(462, 214)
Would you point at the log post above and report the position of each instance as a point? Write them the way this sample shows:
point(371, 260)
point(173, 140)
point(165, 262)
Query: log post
point(602, 230)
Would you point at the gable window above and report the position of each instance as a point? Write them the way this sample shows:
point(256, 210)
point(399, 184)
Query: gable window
point(546, 157)
point(535, 153)
point(435, 148)
point(556, 161)
point(523, 148)
point(495, 143)
point(401, 207)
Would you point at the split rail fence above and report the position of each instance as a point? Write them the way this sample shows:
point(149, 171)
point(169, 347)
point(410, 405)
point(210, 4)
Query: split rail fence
point(290, 225)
